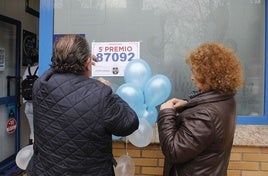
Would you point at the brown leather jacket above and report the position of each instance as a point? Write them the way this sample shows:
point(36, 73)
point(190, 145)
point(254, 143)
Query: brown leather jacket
point(197, 141)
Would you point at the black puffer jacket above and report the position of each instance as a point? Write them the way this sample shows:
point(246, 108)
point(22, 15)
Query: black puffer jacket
point(74, 119)
point(198, 140)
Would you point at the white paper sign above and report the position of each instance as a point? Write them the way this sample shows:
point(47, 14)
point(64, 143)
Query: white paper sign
point(113, 57)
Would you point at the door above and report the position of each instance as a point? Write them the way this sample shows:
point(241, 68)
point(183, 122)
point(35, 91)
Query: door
point(10, 34)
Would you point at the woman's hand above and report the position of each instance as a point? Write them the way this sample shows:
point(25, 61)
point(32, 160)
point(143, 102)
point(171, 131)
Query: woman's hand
point(173, 103)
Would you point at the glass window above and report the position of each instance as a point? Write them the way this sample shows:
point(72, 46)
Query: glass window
point(168, 29)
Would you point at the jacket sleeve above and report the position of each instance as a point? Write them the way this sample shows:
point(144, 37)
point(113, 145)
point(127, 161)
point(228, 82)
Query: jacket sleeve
point(119, 118)
point(181, 141)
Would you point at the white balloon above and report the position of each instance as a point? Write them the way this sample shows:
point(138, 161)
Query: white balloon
point(23, 156)
point(125, 166)
point(143, 135)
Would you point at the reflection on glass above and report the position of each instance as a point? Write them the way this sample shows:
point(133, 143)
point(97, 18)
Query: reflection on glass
point(169, 29)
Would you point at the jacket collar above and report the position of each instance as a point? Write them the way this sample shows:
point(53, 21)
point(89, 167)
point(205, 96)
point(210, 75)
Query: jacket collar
point(199, 97)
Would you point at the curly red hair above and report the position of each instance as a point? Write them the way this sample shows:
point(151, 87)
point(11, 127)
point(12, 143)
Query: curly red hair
point(216, 67)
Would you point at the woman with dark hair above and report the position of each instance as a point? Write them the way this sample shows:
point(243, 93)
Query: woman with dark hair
point(75, 116)
point(196, 135)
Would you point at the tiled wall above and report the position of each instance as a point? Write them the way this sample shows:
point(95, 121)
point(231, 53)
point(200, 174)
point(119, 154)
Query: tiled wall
point(149, 160)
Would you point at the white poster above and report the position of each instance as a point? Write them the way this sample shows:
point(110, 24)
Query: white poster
point(113, 57)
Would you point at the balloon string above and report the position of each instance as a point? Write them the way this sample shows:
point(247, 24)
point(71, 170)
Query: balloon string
point(126, 147)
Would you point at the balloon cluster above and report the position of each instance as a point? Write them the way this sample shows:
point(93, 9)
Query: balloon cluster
point(143, 92)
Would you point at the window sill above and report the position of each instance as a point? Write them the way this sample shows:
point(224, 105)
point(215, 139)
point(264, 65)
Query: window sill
point(245, 135)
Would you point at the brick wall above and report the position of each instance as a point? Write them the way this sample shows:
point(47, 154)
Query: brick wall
point(149, 160)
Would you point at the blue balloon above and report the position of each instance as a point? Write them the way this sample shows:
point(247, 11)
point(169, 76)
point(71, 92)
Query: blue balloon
point(137, 72)
point(149, 113)
point(131, 94)
point(115, 138)
point(138, 108)
point(157, 90)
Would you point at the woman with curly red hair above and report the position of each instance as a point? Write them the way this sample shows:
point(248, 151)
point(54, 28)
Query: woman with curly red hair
point(196, 135)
